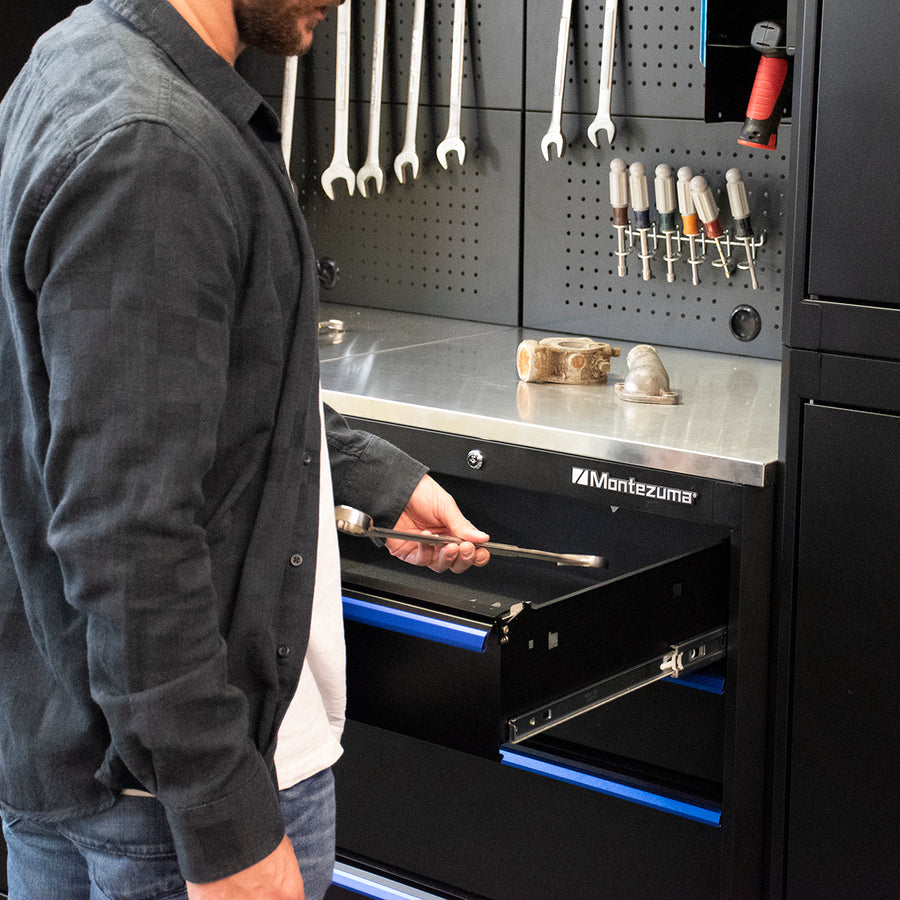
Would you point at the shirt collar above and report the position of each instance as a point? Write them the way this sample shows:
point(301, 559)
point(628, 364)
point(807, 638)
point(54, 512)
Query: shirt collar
point(208, 72)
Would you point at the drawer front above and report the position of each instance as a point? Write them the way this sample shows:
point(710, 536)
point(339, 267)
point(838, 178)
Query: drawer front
point(499, 832)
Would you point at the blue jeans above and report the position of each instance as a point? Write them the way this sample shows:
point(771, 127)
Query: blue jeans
point(126, 852)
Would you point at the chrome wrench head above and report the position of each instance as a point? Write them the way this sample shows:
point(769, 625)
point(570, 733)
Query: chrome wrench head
point(604, 123)
point(406, 158)
point(553, 139)
point(337, 172)
point(451, 144)
point(370, 171)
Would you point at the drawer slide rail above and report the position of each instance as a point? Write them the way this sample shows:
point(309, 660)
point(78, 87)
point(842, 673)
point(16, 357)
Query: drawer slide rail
point(682, 658)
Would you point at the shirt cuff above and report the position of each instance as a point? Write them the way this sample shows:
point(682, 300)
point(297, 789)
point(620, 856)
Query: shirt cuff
point(218, 839)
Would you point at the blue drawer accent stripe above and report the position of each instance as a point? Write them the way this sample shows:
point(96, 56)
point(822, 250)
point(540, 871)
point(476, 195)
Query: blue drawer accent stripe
point(713, 684)
point(698, 812)
point(456, 634)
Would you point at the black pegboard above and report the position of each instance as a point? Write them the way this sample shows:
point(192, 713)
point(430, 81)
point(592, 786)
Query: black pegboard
point(510, 238)
point(570, 280)
point(446, 243)
point(656, 71)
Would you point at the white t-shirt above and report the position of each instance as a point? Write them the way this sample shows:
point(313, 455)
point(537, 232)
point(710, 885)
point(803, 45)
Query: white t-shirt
point(309, 739)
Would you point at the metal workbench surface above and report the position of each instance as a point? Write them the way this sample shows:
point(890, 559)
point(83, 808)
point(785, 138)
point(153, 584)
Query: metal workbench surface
point(460, 377)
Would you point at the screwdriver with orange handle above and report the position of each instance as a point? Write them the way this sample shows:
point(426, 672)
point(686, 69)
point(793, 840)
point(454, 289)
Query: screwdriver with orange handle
point(690, 223)
point(709, 215)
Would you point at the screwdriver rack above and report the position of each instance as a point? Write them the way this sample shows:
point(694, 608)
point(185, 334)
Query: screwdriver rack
point(703, 245)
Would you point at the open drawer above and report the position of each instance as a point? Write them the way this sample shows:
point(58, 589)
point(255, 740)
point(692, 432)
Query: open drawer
point(499, 654)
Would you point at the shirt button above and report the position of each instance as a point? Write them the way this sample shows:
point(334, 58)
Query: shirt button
point(296, 560)
point(283, 652)
point(307, 459)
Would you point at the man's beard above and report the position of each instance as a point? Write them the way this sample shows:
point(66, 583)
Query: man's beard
point(271, 30)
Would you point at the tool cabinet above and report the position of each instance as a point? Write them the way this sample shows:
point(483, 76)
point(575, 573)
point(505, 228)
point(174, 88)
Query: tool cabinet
point(680, 504)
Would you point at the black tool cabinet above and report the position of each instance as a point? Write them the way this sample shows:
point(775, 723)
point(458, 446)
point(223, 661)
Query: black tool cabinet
point(836, 775)
point(657, 793)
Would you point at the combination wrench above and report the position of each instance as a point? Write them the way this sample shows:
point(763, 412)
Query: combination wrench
point(408, 155)
point(359, 524)
point(288, 104)
point(554, 136)
point(603, 119)
point(453, 142)
point(371, 168)
point(340, 163)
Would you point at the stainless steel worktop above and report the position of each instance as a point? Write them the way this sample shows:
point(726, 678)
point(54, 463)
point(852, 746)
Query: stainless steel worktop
point(460, 377)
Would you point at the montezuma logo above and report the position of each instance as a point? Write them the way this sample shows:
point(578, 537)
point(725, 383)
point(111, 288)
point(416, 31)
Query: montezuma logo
point(606, 482)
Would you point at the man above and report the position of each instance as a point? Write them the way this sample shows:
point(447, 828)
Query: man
point(165, 497)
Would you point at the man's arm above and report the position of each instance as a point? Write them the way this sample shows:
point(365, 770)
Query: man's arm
point(382, 481)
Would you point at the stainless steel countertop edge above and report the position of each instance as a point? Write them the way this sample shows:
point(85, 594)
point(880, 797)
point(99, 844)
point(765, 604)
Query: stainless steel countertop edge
point(538, 437)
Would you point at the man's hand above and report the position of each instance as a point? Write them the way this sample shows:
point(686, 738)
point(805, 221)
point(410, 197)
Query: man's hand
point(433, 510)
point(277, 877)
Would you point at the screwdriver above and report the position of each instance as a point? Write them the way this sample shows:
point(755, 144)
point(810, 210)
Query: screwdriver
point(665, 206)
point(709, 215)
point(690, 224)
point(618, 196)
point(740, 210)
point(640, 203)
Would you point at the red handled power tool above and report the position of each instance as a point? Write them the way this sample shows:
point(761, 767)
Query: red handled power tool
point(767, 98)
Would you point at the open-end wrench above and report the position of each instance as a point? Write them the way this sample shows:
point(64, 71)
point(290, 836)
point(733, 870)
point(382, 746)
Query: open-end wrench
point(408, 155)
point(340, 163)
point(288, 103)
point(352, 521)
point(371, 168)
point(602, 119)
point(554, 136)
point(453, 142)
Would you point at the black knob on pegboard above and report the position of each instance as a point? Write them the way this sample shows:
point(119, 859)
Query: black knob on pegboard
point(329, 272)
point(745, 323)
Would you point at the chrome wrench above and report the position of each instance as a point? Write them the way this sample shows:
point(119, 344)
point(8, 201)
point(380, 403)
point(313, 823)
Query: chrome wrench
point(371, 168)
point(602, 119)
point(554, 136)
point(408, 155)
point(340, 163)
point(359, 524)
point(453, 142)
point(288, 104)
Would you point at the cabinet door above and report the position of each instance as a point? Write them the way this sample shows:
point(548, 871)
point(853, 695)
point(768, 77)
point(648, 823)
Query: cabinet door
point(855, 191)
point(844, 775)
